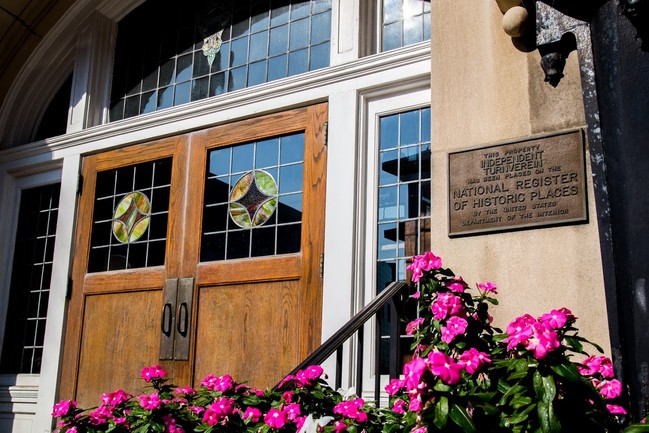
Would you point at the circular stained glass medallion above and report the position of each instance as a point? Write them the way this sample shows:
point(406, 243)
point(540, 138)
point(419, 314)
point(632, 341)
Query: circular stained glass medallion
point(253, 199)
point(131, 217)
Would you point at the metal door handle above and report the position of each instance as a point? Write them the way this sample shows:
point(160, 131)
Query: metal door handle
point(166, 319)
point(183, 318)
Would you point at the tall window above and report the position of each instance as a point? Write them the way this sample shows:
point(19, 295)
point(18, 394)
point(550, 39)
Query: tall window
point(403, 226)
point(22, 349)
point(404, 22)
point(170, 53)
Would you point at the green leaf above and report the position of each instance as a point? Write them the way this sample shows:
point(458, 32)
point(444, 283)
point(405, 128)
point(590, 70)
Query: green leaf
point(442, 387)
point(549, 422)
point(462, 419)
point(441, 413)
point(637, 428)
point(568, 371)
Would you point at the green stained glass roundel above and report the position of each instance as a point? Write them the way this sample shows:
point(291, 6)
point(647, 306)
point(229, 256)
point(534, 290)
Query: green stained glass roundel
point(253, 199)
point(131, 217)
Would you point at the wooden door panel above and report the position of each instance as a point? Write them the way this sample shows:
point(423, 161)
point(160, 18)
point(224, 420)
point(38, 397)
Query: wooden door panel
point(249, 331)
point(121, 334)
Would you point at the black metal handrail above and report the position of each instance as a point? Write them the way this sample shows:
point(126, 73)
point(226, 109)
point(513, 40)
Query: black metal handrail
point(391, 296)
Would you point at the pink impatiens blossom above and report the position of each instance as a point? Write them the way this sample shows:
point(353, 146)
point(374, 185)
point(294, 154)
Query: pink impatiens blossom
point(445, 367)
point(415, 403)
point(555, 319)
point(101, 415)
point(115, 398)
point(423, 263)
point(609, 389)
point(185, 390)
point(275, 419)
point(308, 375)
point(150, 401)
point(394, 386)
point(413, 372)
point(252, 414)
point(447, 304)
point(472, 359)
point(170, 425)
point(292, 411)
point(421, 429)
point(218, 383)
point(487, 287)
point(153, 372)
point(454, 327)
point(456, 287)
point(217, 411)
point(615, 409)
point(399, 407)
point(63, 408)
point(413, 326)
point(597, 364)
point(351, 409)
point(519, 330)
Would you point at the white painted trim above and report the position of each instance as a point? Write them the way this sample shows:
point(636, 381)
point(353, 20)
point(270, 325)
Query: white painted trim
point(376, 103)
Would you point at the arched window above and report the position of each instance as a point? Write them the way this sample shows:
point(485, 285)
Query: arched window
point(169, 54)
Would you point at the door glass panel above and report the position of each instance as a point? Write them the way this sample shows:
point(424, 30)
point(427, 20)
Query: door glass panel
point(403, 205)
point(130, 217)
point(22, 349)
point(253, 199)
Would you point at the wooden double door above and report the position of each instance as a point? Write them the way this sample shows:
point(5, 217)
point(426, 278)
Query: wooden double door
point(201, 253)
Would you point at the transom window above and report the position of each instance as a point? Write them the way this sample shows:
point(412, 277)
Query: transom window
point(169, 53)
point(404, 22)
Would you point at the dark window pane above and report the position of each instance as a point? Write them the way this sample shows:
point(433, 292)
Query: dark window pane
point(263, 242)
point(165, 97)
point(215, 218)
point(149, 102)
point(387, 241)
point(184, 68)
point(261, 18)
point(219, 161)
point(143, 176)
point(425, 199)
point(158, 226)
point(409, 164)
point(156, 253)
point(238, 244)
point(201, 66)
point(409, 200)
point(239, 52)
point(137, 255)
point(213, 247)
point(217, 191)
point(288, 238)
point(217, 84)
point(289, 209)
point(199, 88)
point(388, 166)
point(132, 107)
point(425, 161)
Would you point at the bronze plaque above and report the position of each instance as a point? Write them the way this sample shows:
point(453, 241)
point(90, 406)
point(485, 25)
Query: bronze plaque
point(525, 184)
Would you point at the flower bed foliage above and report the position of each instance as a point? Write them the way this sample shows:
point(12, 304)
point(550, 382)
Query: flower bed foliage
point(465, 376)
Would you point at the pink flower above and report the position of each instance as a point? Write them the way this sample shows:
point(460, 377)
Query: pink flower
point(351, 409)
point(218, 383)
point(394, 386)
point(421, 429)
point(447, 304)
point(487, 287)
point(413, 372)
point(153, 372)
point(445, 368)
point(615, 409)
point(519, 330)
point(115, 398)
point(456, 287)
point(252, 413)
point(416, 295)
point(275, 419)
point(63, 408)
point(472, 359)
point(292, 411)
point(101, 415)
point(217, 411)
point(454, 327)
point(415, 403)
point(543, 340)
point(424, 263)
point(610, 388)
point(399, 407)
point(340, 426)
point(287, 396)
point(555, 319)
point(299, 422)
point(597, 364)
point(187, 390)
point(286, 380)
point(308, 375)
point(150, 402)
point(413, 326)
point(170, 425)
